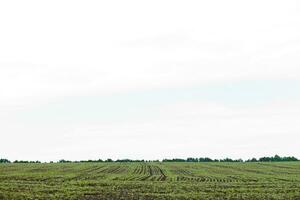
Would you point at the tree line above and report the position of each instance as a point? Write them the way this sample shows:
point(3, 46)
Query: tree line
point(275, 158)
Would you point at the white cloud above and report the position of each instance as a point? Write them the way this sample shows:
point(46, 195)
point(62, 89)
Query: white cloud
point(55, 49)
point(179, 130)
point(70, 47)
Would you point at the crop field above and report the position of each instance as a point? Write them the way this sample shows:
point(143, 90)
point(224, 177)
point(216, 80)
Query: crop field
point(150, 180)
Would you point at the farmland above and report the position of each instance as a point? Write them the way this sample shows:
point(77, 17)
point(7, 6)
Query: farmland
point(150, 180)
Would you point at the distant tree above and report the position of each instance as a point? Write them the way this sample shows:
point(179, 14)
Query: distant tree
point(226, 160)
point(252, 160)
point(26, 161)
point(64, 161)
point(123, 160)
point(192, 160)
point(277, 158)
point(2, 160)
point(292, 158)
point(174, 160)
point(205, 160)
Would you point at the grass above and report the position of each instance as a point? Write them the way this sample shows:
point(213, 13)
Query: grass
point(154, 180)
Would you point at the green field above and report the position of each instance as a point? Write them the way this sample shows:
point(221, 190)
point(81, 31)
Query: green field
point(152, 180)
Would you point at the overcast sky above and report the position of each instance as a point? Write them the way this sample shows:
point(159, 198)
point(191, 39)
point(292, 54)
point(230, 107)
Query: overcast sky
point(149, 79)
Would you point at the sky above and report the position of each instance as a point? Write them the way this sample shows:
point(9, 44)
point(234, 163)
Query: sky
point(149, 79)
